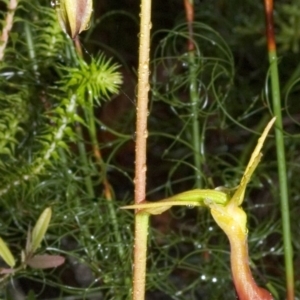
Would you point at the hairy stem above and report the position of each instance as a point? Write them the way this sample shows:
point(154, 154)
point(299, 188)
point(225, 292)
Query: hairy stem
point(141, 220)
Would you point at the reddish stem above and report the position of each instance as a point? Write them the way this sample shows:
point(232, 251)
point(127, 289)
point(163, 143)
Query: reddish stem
point(232, 219)
point(245, 285)
point(270, 25)
point(189, 11)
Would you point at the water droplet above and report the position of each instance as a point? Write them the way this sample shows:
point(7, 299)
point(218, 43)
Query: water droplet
point(54, 3)
point(198, 245)
point(145, 133)
point(189, 206)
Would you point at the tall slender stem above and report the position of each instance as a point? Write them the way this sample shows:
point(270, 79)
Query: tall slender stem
point(89, 111)
point(194, 98)
point(141, 220)
point(281, 160)
point(84, 161)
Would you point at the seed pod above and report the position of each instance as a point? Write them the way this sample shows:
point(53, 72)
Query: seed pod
point(74, 15)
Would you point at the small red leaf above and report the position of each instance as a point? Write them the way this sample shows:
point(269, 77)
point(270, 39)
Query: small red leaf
point(45, 261)
point(6, 271)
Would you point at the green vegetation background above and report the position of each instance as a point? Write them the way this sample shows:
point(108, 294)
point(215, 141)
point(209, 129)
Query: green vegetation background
point(54, 106)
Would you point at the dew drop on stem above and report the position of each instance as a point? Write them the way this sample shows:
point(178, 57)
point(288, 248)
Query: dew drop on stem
point(103, 127)
point(145, 133)
point(54, 3)
point(214, 279)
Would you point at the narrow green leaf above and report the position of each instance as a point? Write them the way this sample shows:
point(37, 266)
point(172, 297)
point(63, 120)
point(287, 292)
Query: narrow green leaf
point(6, 254)
point(40, 229)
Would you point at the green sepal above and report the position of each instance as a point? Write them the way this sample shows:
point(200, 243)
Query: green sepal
point(190, 198)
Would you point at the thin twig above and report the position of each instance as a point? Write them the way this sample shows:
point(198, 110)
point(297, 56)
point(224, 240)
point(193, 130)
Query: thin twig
point(141, 220)
point(8, 24)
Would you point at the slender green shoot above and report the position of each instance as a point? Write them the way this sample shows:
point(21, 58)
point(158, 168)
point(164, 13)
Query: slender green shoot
point(281, 159)
point(194, 97)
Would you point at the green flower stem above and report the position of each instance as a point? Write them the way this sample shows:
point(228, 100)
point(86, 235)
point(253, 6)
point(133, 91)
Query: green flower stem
point(283, 185)
point(140, 255)
point(89, 111)
point(194, 98)
point(84, 161)
point(84, 238)
point(281, 160)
